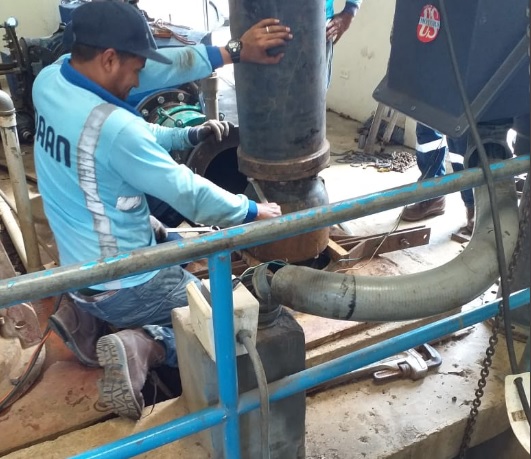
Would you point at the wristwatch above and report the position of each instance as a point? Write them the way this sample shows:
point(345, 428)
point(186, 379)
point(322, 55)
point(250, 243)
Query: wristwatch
point(234, 48)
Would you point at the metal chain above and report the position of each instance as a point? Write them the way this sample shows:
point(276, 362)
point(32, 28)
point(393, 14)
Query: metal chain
point(482, 382)
point(522, 227)
point(493, 340)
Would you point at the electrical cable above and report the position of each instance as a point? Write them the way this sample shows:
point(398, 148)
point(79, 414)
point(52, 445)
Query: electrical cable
point(14, 393)
point(244, 337)
point(249, 271)
point(518, 382)
point(388, 234)
point(502, 265)
point(375, 251)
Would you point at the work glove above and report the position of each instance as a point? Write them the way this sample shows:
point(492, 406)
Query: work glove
point(158, 228)
point(219, 129)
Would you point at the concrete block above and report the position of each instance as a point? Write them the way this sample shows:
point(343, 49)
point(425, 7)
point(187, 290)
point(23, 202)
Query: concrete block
point(245, 315)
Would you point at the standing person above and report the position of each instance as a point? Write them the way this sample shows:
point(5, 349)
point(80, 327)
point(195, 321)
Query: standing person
point(96, 159)
point(430, 152)
point(336, 26)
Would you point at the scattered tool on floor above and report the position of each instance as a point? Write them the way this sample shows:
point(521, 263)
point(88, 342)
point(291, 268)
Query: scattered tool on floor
point(413, 364)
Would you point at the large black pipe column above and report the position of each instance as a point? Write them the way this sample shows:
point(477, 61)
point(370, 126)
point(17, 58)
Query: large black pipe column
point(281, 112)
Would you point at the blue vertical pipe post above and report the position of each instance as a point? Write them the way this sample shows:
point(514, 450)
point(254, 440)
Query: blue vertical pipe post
point(220, 272)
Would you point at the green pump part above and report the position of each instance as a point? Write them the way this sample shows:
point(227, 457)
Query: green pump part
point(180, 116)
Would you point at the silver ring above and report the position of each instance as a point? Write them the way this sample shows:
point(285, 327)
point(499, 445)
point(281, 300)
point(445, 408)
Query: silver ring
point(267, 29)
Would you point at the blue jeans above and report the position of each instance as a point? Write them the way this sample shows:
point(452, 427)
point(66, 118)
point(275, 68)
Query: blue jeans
point(431, 163)
point(148, 305)
point(459, 146)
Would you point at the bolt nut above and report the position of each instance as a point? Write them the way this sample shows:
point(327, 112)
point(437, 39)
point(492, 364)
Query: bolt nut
point(161, 100)
point(404, 243)
point(180, 97)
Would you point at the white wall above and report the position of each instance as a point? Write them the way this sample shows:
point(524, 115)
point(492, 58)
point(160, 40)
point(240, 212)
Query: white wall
point(36, 18)
point(360, 62)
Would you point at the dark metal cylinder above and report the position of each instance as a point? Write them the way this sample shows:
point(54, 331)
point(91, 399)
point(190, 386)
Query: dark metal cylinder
point(281, 108)
point(294, 196)
point(282, 117)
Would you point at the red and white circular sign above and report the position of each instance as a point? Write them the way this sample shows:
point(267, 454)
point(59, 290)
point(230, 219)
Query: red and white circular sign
point(429, 24)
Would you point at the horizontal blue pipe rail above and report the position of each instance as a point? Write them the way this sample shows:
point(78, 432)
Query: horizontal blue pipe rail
point(290, 385)
point(218, 247)
point(158, 436)
point(309, 378)
point(51, 282)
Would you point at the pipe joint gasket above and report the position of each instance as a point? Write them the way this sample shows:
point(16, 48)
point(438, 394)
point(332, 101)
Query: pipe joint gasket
point(291, 169)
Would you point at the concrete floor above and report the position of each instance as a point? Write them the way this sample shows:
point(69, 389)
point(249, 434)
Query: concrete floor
point(401, 419)
point(398, 420)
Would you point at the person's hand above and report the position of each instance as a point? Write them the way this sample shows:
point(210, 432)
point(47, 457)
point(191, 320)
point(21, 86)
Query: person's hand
point(158, 228)
point(338, 25)
point(218, 129)
point(264, 35)
point(267, 210)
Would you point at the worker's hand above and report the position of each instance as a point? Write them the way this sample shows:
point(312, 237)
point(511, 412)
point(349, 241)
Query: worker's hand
point(267, 210)
point(218, 129)
point(158, 228)
point(260, 38)
point(338, 25)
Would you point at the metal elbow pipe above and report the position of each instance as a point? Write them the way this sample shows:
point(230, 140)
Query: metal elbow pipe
point(412, 296)
point(6, 104)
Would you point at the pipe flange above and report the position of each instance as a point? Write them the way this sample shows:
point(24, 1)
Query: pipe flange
point(292, 169)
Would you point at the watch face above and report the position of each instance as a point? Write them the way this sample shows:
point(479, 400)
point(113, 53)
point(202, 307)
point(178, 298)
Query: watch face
point(234, 48)
point(234, 45)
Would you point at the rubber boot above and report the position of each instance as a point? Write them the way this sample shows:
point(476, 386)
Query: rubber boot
point(126, 357)
point(79, 330)
point(470, 219)
point(424, 209)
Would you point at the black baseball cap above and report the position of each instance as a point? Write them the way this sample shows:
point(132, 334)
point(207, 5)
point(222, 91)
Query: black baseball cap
point(114, 25)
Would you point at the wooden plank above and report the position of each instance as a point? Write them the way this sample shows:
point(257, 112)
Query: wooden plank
point(335, 251)
point(319, 330)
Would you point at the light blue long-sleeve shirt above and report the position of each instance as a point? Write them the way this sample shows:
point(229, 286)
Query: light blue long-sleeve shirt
point(330, 6)
point(96, 159)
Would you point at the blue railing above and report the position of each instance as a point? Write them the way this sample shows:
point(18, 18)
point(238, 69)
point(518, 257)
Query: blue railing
point(218, 247)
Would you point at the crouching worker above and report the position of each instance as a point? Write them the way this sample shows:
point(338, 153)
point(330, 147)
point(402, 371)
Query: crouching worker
point(96, 159)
